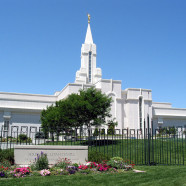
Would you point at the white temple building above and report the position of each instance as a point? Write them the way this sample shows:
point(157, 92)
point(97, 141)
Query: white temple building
point(130, 106)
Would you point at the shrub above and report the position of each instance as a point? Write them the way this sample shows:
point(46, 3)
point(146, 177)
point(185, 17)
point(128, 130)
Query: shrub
point(98, 157)
point(5, 163)
point(172, 130)
point(116, 164)
point(111, 126)
point(41, 162)
point(3, 139)
point(102, 131)
point(111, 131)
point(56, 171)
point(7, 155)
point(96, 132)
point(75, 165)
point(22, 137)
point(116, 158)
point(63, 163)
point(101, 142)
point(119, 163)
point(167, 130)
point(40, 135)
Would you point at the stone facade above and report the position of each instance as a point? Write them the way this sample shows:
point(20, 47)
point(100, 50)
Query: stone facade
point(26, 154)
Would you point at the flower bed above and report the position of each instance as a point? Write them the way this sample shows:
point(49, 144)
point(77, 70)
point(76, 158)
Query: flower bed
point(3, 171)
point(20, 172)
point(65, 167)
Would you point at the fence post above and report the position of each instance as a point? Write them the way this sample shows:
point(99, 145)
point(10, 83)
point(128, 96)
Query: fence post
point(144, 142)
point(149, 138)
point(152, 140)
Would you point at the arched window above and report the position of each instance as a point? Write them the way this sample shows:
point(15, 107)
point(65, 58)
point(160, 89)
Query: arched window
point(90, 68)
point(140, 112)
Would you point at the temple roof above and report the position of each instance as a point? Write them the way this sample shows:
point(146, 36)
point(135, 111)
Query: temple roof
point(88, 38)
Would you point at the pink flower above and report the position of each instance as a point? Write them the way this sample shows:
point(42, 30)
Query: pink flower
point(45, 172)
point(83, 167)
point(21, 172)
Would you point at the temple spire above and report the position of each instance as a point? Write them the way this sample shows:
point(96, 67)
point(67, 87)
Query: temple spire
point(88, 38)
point(88, 73)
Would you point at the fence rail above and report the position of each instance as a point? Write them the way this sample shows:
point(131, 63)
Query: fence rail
point(143, 147)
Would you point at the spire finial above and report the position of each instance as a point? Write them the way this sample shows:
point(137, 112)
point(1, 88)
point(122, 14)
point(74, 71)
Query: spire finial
point(88, 18)
point(88, 38)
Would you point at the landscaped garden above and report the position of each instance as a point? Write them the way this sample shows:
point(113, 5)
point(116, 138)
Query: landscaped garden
point(112, 155)
point(96, 171)
point(154, 175)
point(98, 163)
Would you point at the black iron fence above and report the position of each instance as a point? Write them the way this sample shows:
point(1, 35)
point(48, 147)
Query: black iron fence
point(147, 146)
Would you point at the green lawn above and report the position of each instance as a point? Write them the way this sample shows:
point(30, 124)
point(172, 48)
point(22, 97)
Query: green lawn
point(154, 176)
point(162, 151)
point(166, 151)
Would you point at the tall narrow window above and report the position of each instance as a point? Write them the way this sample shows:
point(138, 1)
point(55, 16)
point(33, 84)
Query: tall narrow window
point(90, 68)
point(140, 112)
point(6, 124)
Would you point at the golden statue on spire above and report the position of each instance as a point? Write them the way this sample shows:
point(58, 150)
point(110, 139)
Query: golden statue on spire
point(88, 18)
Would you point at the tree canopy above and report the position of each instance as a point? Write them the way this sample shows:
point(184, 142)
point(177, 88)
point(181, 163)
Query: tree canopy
point(90, 107)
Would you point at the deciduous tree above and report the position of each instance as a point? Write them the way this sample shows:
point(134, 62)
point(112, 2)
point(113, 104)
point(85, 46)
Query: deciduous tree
point(88, 108)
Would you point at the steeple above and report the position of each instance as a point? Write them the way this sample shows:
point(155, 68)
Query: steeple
point(88, 38)
point(88, 73)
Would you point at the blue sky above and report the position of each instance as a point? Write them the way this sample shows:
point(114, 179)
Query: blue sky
point(141, 42)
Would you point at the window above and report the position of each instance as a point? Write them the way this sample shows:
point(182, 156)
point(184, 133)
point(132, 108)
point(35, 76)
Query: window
point(6, 124)
point(90, 68)
point(140, 112)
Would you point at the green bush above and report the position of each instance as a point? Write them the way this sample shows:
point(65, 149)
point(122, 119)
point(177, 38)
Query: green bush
point(97, 156)
point(41, 162)
point(63, 163)
point(75, 165)
point(172, 130)
point(40, 135)
point(7, 154)
point(116, 158)
point(167, 130)
point(5, 163)
point(102, 131)
point(111, 131)
point(22, 137)
point(96, 132)
point(117, 162)
point(111, 126)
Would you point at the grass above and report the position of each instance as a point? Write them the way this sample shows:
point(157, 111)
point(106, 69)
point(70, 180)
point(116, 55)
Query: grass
point(162, 151)
point(168, 151)
point(154, 175)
